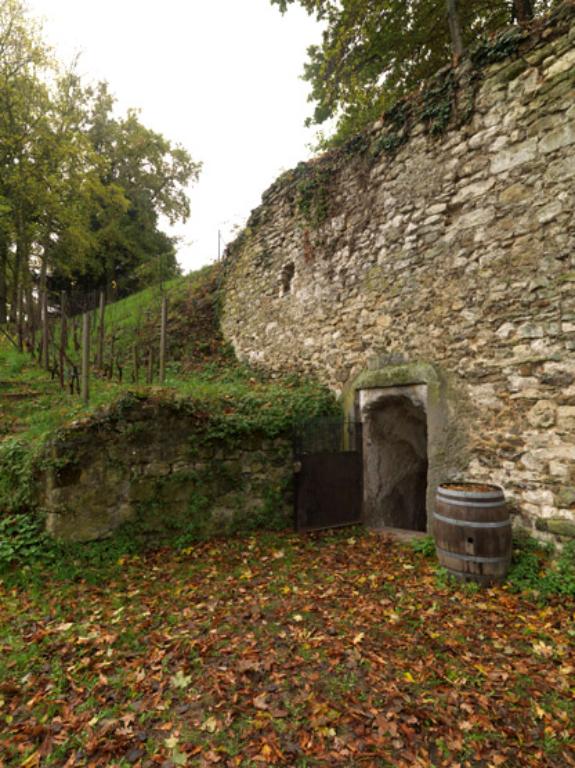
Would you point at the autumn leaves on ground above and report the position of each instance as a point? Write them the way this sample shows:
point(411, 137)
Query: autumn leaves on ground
point(340, 649)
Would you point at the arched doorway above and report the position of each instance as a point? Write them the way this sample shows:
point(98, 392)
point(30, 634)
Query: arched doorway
point(395, 449)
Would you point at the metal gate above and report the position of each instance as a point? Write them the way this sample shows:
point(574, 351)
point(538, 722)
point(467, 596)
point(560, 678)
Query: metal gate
point(328, 476)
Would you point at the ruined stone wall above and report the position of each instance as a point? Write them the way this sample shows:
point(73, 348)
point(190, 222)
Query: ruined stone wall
point(147, 466)
point(454, 248)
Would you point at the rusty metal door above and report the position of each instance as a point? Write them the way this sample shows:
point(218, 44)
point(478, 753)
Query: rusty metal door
point(328, 477)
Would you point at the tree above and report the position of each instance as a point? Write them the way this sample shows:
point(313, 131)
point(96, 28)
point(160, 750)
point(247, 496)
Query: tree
point(82, 191)
point(375, 51)
point(23, 56)
point(523, 10)
point(151, 174)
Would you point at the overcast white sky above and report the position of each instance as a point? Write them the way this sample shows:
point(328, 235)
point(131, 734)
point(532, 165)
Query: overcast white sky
point(221, 77)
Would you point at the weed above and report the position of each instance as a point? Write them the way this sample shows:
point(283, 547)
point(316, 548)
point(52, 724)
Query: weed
point(534, 568)
point(424, 546)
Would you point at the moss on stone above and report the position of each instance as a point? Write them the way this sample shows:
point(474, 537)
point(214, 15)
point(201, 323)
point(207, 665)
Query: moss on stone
point(561, 527)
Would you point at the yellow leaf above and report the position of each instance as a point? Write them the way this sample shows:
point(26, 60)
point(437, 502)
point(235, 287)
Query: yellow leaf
point(539, 711)
point(210, 725)
point(31, 760)
point(358, 638)
point(409, 677)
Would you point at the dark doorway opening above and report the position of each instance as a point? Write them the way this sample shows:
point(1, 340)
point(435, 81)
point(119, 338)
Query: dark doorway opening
point(395, 463)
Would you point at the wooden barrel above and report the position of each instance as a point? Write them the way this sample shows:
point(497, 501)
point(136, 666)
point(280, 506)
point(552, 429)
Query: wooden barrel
point(472, 531)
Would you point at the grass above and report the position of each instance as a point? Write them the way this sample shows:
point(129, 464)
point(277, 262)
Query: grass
point(332, 649)
point(193, 329)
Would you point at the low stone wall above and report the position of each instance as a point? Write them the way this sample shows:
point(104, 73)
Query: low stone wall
point(149, 466)
point(451, 245)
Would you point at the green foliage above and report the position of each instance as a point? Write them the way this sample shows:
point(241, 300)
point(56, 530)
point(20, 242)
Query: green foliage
point(22, 540)
point(535, 568)
point(397, 129)
point(438, 100)
point(81, 191)
point(16, 475)
point(489, 51)
point(424, 546)
point(313, 192)
point(375, 53)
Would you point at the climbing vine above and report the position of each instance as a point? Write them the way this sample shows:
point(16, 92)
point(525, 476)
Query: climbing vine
point(313, 192)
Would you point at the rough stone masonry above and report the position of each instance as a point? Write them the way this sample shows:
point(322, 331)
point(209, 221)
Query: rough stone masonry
point(454, 254)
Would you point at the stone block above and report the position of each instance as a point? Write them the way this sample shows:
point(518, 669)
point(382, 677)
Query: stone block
point(510, 158)
point(566, 418)
point(561, 527)
point(542, 414)
point(565, 497)
point(557, 139)
point(563, 64)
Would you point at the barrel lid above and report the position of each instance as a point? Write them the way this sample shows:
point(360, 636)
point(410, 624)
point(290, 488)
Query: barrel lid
point(483, 491)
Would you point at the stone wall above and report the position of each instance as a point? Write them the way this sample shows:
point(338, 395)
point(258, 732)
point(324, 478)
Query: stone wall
point(454, 249)
point(149, 465)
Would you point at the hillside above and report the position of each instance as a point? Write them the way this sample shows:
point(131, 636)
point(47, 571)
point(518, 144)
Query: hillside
point(202, 378)
point(32, 400)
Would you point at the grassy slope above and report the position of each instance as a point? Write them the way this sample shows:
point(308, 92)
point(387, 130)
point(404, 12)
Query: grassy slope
point(200, 365)
point(233, 398)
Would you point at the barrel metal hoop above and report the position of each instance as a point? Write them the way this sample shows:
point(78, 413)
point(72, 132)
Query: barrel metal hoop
point(472, 576)
point(488, 495)
point(469, 524)
point(473, 558)
point(470, 503)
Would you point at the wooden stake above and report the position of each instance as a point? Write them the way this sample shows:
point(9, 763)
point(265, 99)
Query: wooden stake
point(31, 321)
point(163, 328)
point(101, 330)
point(135, 364)
point(45, 341)
point(63, 337)
point(150, 365)
point(86, 357)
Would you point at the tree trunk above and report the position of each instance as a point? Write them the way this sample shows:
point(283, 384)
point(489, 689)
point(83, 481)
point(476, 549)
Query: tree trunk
point(523, 11)
point(455, 29)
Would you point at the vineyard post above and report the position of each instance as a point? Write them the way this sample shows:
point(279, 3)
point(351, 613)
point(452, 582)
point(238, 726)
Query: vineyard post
point(63, 337)
point(45, 357)
point(163, 329)
point(101, 330)
point(85, 391)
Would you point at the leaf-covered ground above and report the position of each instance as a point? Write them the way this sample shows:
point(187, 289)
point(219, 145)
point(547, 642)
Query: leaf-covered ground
point(287, 651)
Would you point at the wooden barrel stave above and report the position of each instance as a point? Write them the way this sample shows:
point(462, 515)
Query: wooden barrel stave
point(473, 533)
